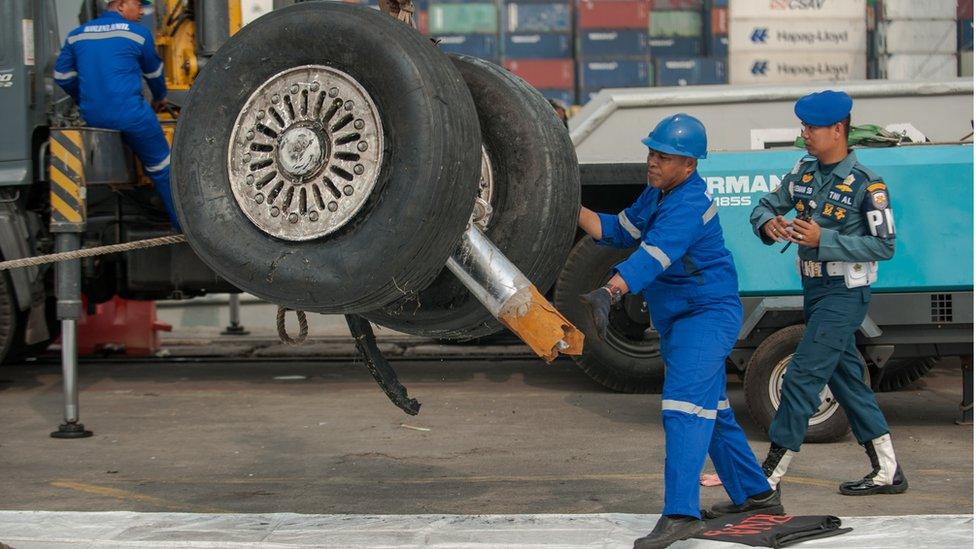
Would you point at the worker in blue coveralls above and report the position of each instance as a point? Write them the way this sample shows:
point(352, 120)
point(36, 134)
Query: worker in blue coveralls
point(843, 227)
point(689, 282)
point(101, 66)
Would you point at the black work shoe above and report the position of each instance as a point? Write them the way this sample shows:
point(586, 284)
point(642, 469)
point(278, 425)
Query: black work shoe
point(868, 486)
point(670, 529)
point(768, 502)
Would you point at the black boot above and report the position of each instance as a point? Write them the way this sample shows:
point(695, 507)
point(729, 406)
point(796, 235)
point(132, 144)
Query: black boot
point(885, 476)
point(669, 529)
point(768, 503)
point(777, 461)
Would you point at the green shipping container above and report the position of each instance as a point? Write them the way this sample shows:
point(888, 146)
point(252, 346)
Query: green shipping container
point(686, 24)
point(463, 19)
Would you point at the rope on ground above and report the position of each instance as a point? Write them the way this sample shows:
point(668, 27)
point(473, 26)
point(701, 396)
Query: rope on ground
point(92, 252)
point(302, 327)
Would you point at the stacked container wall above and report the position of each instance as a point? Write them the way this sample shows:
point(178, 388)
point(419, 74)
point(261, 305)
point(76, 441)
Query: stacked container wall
point(612, 44)
point(792, 41)
point(538, 38)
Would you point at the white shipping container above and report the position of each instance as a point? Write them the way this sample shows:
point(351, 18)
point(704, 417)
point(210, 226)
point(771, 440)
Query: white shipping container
point(908, 66)
point(797, 9)
point(917, 9)
point(916, 36)
point(779, 67)
point(798, 35)
point(966, 63)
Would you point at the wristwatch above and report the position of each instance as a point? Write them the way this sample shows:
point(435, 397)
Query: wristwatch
point(615, 294)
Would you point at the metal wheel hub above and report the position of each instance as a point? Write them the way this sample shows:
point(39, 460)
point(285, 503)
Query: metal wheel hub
point(305, 152)
point(828, 404)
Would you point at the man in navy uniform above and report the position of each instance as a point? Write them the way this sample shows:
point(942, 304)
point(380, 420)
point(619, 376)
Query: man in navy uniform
point(843, 227)
point(102, 66)
point(689, 282)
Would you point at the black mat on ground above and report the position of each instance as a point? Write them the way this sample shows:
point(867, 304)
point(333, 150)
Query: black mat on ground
point(759, 530)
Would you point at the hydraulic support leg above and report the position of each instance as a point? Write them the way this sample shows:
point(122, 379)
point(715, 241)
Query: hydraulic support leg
point(234, 309)
point(966, 406)
point(68, 224)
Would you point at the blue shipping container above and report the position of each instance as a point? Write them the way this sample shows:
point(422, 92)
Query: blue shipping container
point(622, 73)
point(568, 97)
point(689, 71)
point(674, 46)
point(537, 17)
point(612, 43)
point(719, 46)
point(965, 35)
point(484, 46)
point(538, 46)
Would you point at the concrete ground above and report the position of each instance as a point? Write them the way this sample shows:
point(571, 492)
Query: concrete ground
point(508, 436)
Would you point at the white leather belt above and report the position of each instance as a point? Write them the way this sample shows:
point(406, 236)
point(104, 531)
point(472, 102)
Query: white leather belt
point(817, 269)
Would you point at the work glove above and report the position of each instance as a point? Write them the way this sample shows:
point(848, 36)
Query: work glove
point(598, 302)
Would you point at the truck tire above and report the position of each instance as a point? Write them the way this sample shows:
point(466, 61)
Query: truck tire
point(629, 360)
point(902, 372)
point(9, 318)
point(531, 181)
point(327, 159)
point(764, 377)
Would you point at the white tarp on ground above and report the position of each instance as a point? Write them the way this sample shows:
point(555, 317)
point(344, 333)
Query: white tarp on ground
point(56, 530)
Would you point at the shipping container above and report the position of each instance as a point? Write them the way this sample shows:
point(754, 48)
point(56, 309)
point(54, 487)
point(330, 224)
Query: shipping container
point(719, 21)
point(916, 36)
point(674, 46)
point(784, 67)
point(910, 66)
point(797, 35)
point(538, 46)
point(966, 63)
point(916, 9)
point(689, 5)
point(544, 73)
point(484, 46)
point(567, 97)
point(675, 23)
point(613, 14)
point(719, 46)
point(964, 9)
point(689, 71)
point(528, 17)
point(611, 43)
point(965, 35)
point(797, 9)
point(479, 18)
point(618, 73)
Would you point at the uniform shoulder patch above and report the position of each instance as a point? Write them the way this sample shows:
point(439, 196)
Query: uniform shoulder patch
point(877, 186)
point(879, 198)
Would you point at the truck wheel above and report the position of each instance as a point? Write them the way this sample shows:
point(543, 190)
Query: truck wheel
point(764, 378)
point(629, 360)
point(900, 373)
point(527, 204)
point(327, 159)
point(9, 317)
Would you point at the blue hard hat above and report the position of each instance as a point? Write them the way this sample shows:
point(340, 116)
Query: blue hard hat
point(680, 134)
point(823, 108)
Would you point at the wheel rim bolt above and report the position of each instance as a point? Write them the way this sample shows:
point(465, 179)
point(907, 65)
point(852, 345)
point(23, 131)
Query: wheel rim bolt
point(347, 190)
point(275, 211)
point(333, 206)
point(358, 169)
point(293, 217)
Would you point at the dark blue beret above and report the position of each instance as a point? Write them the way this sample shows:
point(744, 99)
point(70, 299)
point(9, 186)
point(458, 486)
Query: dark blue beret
point(823, 108)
